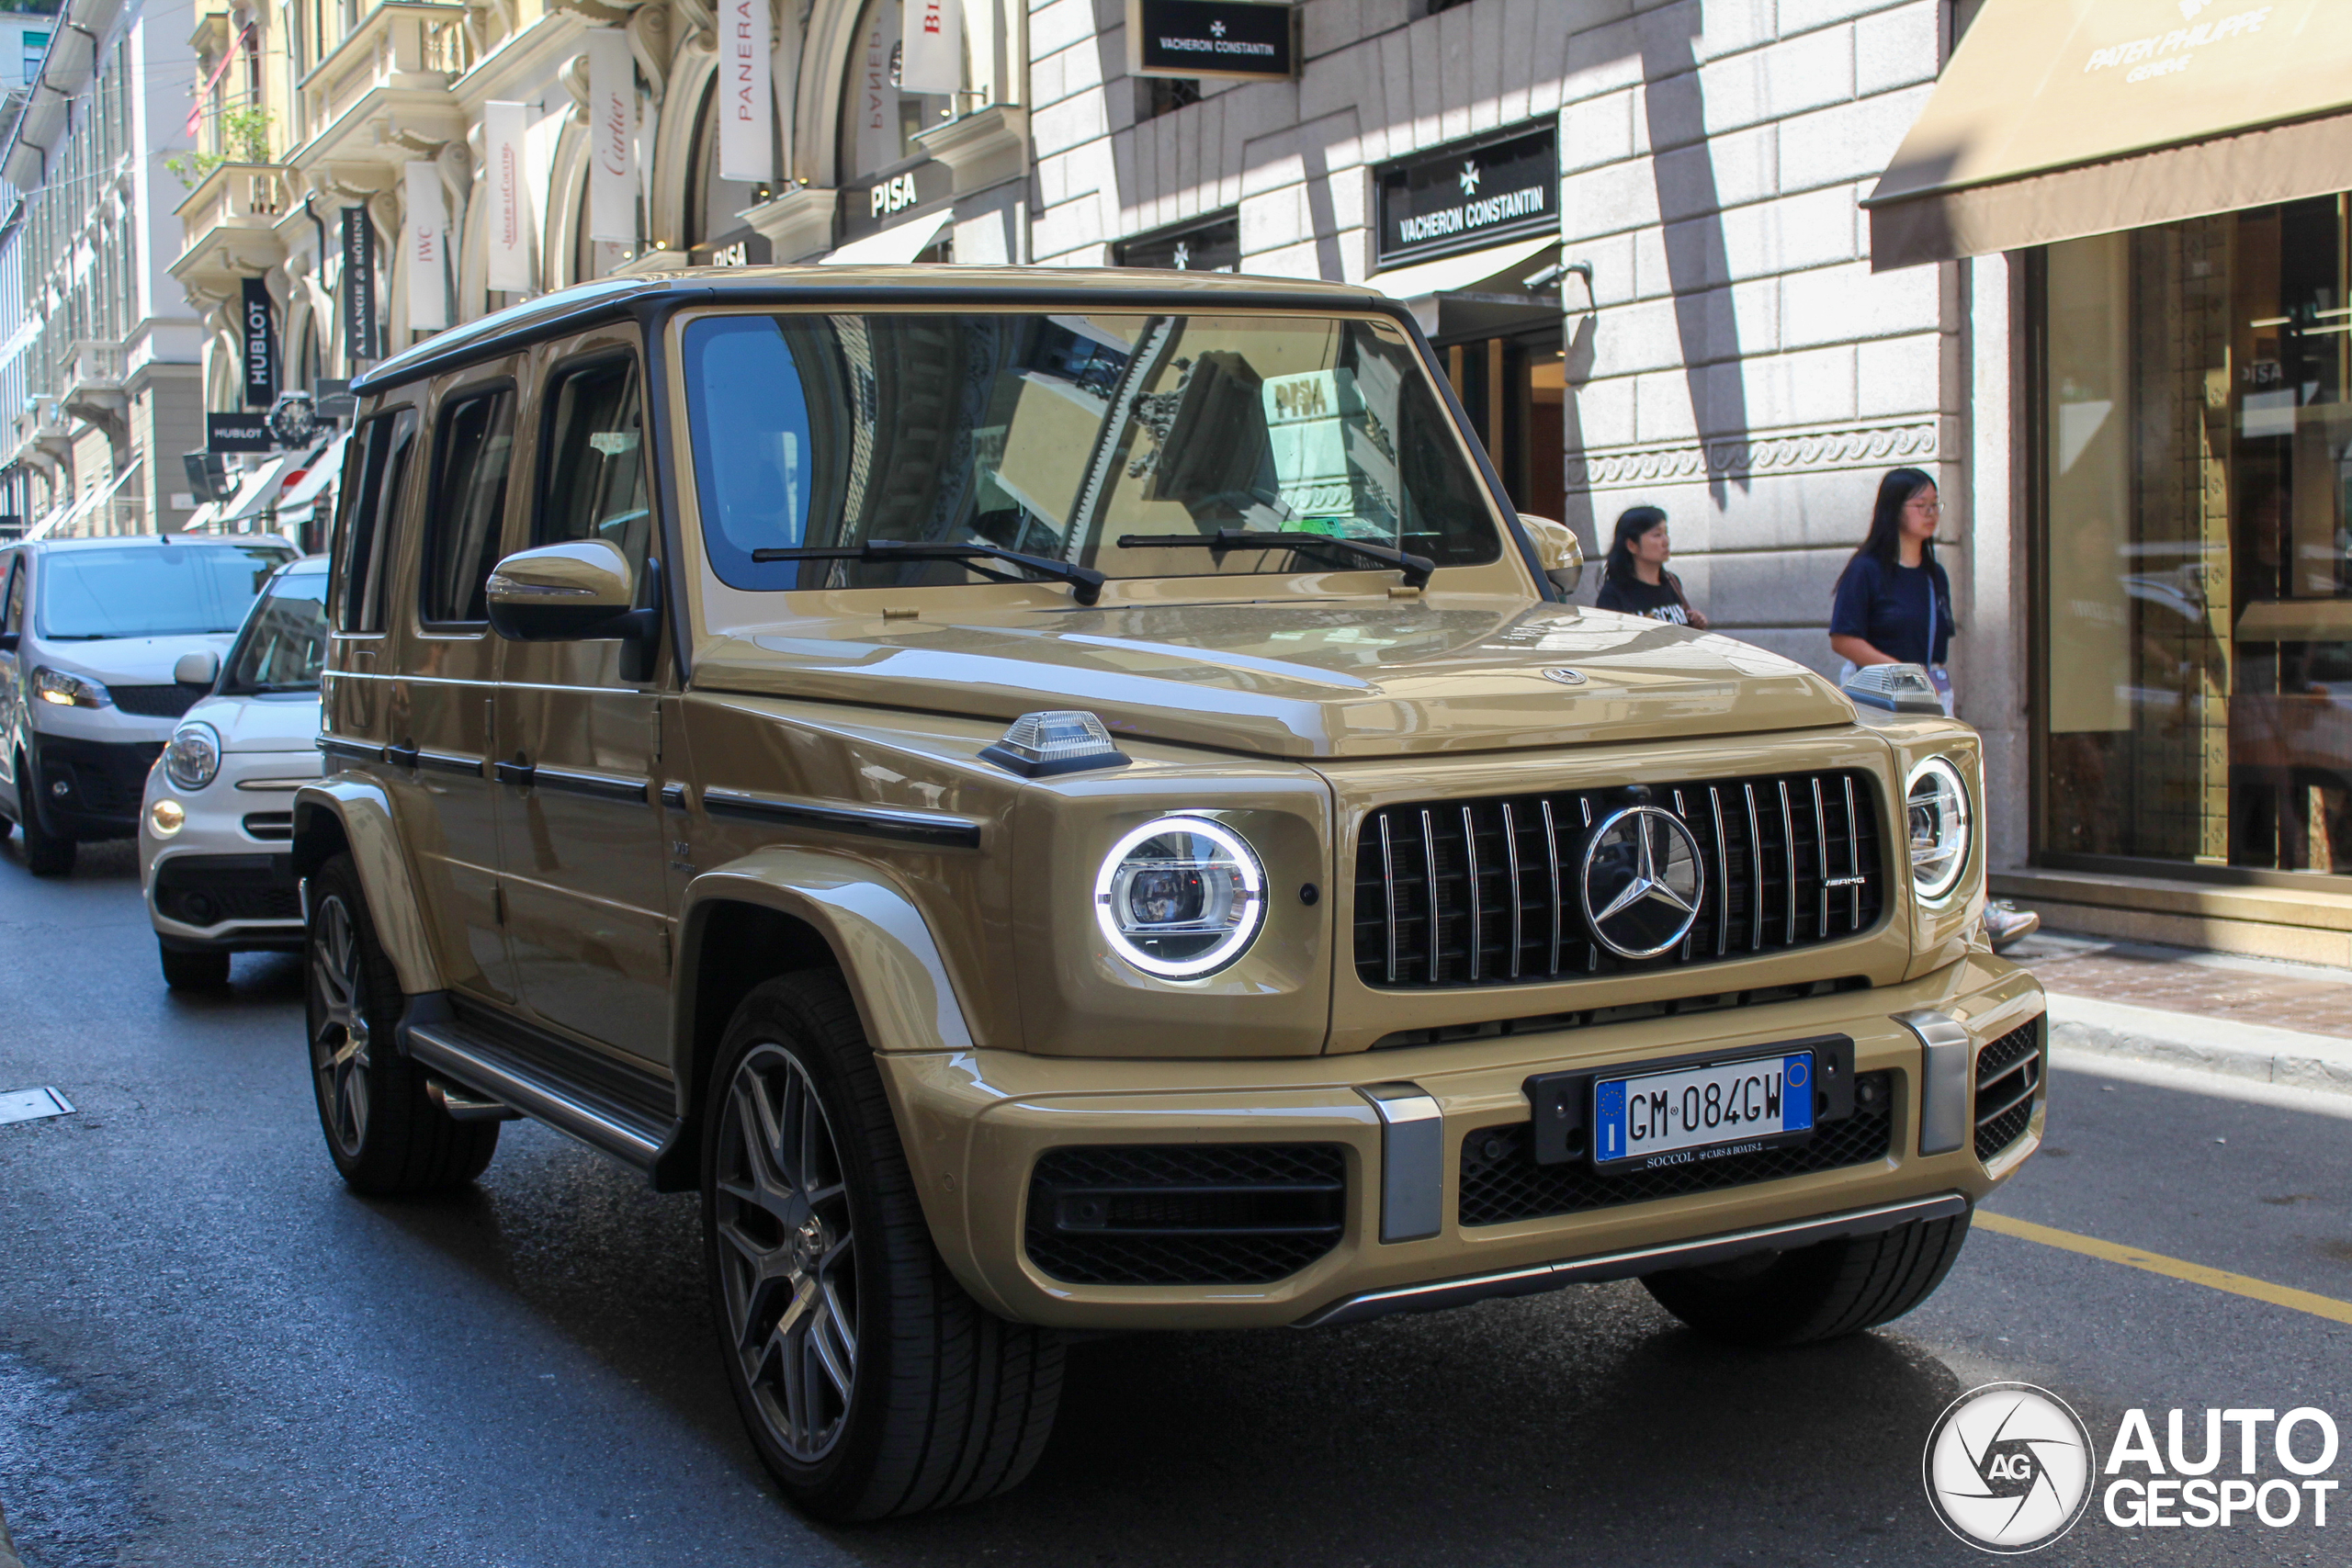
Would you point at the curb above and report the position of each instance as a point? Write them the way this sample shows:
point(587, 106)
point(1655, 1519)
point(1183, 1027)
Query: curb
point(2258, 1052)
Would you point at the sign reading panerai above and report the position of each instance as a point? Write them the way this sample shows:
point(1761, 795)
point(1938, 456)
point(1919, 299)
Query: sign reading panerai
point(1212, 38)
point(1469, 194)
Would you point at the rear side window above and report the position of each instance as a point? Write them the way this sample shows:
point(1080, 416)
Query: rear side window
point(596, 462)
point(462, 525)
point(378, 463)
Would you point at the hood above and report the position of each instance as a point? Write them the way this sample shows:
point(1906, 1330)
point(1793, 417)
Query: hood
point(127, 661)
point(288, 723)
point(1355, 679)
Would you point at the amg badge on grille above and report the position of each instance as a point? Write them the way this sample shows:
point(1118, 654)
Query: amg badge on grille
point(1643, 882)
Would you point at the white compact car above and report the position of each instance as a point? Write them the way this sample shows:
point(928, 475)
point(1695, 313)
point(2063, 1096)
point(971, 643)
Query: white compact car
point(94, 635)
point(217, 821)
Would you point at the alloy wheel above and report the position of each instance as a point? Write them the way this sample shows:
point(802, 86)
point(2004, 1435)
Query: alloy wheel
point(786, 1252)
point(339, 1026)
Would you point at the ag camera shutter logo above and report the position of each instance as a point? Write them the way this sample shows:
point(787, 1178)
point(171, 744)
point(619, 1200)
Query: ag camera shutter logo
point(2008, 1468)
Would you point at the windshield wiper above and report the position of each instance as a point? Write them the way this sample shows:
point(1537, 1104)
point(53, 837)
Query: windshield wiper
point(1415, 568)
point(1085, 582)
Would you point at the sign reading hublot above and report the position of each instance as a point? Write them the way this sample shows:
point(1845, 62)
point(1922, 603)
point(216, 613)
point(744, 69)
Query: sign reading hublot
point(1212, 38)
point(1469, 194)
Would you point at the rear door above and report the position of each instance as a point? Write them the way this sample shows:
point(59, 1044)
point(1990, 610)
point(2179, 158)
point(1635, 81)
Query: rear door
point(579, 738)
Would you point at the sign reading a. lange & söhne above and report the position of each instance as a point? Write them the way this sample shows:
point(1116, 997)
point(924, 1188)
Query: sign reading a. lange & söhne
point(1469, 194)
point(1212, 38)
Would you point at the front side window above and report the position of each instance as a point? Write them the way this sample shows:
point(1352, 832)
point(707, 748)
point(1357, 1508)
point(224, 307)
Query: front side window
point(595, 487)
point(462, 525)
point(373, 473)
point(13, 618)
point(1062, 435)
point(152, 589)
point(284, 644)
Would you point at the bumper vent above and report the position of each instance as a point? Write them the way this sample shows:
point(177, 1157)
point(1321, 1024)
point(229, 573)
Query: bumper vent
point(158, 702)
point(204, 890)
point(1501, 1182)
point(1185, 1213)
point(1486, 892)
point(2008, 1076)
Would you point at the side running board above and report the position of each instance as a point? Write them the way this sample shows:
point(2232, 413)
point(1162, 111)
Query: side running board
point(446, 1046)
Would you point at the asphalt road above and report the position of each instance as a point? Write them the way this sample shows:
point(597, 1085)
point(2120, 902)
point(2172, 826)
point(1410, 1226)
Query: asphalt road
point(210, 1353)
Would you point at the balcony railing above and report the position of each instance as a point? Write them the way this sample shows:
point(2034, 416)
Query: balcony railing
point(406, 44)
point(235, 196)
point(93, 367)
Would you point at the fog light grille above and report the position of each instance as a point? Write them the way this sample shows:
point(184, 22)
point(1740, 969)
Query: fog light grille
point(1185, 1213)
point(2009, 1076)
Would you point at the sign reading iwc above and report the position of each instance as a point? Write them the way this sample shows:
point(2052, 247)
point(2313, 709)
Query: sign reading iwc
point(1468, 195)
point(1212, 38)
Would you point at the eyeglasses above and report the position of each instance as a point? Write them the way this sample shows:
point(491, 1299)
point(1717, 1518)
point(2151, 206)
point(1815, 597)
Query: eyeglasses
point(1933, 508)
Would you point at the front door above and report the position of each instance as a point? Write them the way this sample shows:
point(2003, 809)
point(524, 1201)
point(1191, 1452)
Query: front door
point(579, 740)
point(12, 619)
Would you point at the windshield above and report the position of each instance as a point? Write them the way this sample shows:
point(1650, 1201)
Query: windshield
point(285, 641)
point(152, 589)
point(1060, 435)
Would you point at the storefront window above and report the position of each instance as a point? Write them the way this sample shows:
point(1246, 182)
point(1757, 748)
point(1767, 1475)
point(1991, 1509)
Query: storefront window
point(2197, 463)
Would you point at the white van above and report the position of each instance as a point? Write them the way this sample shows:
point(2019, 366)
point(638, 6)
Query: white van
point(92, 634)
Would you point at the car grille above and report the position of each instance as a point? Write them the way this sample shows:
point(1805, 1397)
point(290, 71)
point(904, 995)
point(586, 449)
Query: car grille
point(270, 825)
point(1501, 1182)
point(1185, 1213)
point(104, 779)
point(1486, 892)
point(2008, 1076)
point(204, 890)
point(157, 702)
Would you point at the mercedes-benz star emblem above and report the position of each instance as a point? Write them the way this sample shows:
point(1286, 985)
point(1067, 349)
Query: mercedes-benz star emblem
point(1563, 675)
point(1643, 881)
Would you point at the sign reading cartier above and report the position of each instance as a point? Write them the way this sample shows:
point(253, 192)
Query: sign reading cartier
point(1467, 195)
point(1212, 38)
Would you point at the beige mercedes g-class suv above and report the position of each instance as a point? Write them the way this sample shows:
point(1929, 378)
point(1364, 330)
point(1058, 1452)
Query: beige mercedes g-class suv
point(1067, 800)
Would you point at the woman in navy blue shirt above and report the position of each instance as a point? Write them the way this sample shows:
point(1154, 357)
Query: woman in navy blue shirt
point(1894, 602)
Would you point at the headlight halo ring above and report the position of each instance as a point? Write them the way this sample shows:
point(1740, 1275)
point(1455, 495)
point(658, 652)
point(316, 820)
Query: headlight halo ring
point(1239, 903)
point(1956, 833)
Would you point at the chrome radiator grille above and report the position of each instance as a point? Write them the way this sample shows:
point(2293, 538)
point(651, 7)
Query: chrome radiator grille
point(1486, 892)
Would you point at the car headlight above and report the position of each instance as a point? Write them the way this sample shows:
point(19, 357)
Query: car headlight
point(193, 758)
point(1179, 897)
point(1936, 804)
point(69, 691)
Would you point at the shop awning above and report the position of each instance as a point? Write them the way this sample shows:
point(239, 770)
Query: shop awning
point(259, 486)
point(2058, 118)
point(316, 472)
point(893, 246)
point(1477, 292)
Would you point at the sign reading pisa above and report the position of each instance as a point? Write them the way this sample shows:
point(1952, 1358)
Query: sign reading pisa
point(1212, 38)
point(1469, 194)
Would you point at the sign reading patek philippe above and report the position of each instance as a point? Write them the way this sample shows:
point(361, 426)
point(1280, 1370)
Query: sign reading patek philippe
point(1212, 38)
point(1469, 194)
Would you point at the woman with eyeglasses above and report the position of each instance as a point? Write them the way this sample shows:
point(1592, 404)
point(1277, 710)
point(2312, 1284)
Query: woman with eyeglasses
point(1894, 607)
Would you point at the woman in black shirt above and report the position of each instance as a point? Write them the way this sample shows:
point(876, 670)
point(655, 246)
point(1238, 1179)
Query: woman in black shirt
point(1636, 581)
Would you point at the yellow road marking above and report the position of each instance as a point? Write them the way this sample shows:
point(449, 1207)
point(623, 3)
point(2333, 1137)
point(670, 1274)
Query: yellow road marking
point(2171, 1267)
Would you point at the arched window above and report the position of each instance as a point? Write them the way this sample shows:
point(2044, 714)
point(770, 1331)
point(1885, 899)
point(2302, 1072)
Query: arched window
point(878, 121)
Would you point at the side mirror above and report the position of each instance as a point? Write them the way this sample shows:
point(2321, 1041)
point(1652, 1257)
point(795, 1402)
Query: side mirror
point(1556, 548)
point(199, 668)
point(562, 594)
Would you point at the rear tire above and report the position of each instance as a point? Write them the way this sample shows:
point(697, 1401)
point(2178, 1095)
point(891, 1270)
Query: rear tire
point(194, 971)
point(811, 1227)
point(46, 854)
point(1824, 1291)
point(385, 1135)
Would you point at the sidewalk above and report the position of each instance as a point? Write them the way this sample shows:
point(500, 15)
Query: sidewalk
point(2248, 1018)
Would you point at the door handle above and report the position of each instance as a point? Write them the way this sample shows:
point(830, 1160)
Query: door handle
point(517, 772)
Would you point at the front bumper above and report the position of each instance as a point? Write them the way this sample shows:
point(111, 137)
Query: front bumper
point(89, 790)
point(976, 1124)
point(225, 881)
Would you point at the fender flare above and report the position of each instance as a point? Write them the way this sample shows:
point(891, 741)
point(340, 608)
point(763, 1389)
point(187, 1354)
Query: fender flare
point(363, 813)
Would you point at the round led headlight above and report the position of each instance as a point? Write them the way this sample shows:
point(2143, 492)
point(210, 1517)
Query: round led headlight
point(1179, 897)
point(1935, 804)
point(193, 758)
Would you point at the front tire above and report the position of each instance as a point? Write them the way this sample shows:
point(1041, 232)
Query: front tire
point(870, 1383)
point(194, 971)
point(386, 1136)
point(46, 854)
point(1823, 1292)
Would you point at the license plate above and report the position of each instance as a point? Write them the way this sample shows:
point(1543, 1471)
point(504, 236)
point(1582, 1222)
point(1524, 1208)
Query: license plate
point(1702, 1113)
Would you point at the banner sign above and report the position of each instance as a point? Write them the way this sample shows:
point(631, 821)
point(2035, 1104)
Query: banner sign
point(746, 95)
point(1203, 244)
point(507, 224)
point(1467, 195)
point(363, 334)
point(1210, 37)
point(258, 330)
point(237, 433)
point(612, 137)
point(931, 54)
point(427, 249)
point(741, 247)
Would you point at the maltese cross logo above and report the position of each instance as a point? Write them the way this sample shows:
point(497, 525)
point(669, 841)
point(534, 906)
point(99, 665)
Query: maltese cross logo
point(1470, 179)
point(1217, 28)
